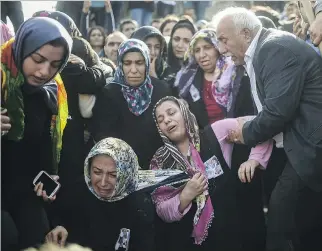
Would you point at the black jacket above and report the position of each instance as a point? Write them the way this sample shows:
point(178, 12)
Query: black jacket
point(242, 105)
point(112, 118)
point(289, 85)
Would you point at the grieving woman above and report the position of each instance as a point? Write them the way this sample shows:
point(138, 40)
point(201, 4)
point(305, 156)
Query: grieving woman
point(35, 101)
point(210, 82)
point(157, 45)
point(116, 218)
point(180, 37)
point(204, 213)
point(124, 108)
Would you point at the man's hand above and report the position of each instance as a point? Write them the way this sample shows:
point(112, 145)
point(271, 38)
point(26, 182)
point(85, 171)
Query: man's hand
point(236, 136)
point(316, 30)
point(57, 236)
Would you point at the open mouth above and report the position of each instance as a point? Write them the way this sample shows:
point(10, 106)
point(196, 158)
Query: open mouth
point(172, 128)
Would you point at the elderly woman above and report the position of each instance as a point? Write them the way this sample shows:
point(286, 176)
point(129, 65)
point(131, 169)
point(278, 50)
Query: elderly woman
point(209, 199)
point(116, 218)
point(210, 82)
point(35, 100)
point(124, 108)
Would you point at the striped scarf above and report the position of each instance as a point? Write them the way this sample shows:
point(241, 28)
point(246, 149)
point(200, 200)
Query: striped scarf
point(170, 157)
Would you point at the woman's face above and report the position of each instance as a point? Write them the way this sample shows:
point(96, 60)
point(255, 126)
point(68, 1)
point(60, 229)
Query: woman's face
point(96, 38)
point(43, 64)
point(168, 29)
point(206, 55)
point(154, 46)
point(103, 176)
point(170, 121)
point(134, 68)
point(180, 41)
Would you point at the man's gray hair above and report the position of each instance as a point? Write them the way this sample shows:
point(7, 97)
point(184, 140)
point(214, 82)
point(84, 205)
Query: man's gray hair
point(242, 18)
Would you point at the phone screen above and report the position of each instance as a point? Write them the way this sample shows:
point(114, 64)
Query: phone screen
point(49, 185)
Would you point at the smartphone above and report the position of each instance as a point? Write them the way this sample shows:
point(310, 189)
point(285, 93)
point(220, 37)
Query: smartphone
point(50, 185)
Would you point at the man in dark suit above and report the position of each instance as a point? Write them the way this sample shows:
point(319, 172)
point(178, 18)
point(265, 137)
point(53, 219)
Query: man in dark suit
point(286, 84)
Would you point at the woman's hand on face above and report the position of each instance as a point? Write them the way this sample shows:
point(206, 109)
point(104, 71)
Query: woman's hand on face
point(42, 193)
point(196, 186)
point(246, 170)
point(153, 68)
point(5, 122)
point(76, 60)
point(57, 236)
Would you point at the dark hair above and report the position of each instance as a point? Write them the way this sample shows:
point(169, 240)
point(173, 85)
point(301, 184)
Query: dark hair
point(127, 21)
point(101, 29)
point(167, 20)
point(173, 61)
point(83, 49)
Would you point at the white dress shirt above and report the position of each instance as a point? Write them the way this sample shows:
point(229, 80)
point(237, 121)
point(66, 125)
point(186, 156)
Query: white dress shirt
point(249, 56)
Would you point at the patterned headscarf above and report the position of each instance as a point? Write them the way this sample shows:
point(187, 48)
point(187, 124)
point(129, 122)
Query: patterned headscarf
point(127, 167)
point(6, 33)
point(169, 156)
point(129, 177)
point(138, 98)
point(224, 75)
point(63, 19)
point(32, 35)
point(169, 153)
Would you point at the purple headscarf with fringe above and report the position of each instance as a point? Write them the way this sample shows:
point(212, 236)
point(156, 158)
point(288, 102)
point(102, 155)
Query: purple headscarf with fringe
point(224, 75)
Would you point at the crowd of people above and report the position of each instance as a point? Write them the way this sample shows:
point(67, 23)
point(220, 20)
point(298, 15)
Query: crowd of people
point(175, 133)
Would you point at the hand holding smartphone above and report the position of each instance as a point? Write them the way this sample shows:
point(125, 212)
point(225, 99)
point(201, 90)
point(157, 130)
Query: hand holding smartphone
point(46, 186)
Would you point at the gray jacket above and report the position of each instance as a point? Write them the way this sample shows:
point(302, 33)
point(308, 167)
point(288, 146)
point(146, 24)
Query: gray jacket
point(288, 77)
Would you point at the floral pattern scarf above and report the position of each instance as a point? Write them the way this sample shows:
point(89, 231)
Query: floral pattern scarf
point(129, 177)
point(12, 79)
point(224, 76)
point(168, 156)
point(137, 98)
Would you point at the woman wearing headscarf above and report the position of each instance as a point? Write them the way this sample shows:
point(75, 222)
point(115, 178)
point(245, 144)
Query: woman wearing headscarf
point(205, 210)
point(216, 89)
point(124, 108)
point(115, 218)
point(157, 45)
point(180, 38)
point(6, 33)
point(36, 103)
point(83, 74)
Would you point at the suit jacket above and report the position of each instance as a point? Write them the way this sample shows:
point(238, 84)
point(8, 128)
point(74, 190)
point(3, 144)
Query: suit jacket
point(289, 85)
